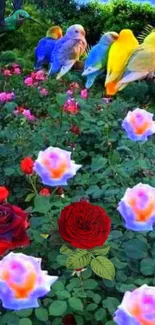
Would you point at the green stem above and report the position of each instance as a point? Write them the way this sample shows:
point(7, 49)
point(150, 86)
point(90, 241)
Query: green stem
point(32, 184)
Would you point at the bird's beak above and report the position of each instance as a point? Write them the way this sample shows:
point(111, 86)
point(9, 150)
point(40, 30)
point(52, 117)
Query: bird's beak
point(35, 21)
point(114, 35)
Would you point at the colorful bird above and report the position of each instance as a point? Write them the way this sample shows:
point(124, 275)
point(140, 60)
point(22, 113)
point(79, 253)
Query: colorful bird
point(15, 20)
point(141, 63)
point(96, 61)
point(68, 50)
point(46, 45)
point(119, 53)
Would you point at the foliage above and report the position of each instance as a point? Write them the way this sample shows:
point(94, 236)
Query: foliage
point(110, 164)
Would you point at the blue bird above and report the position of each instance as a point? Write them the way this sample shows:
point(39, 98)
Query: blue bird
point(68, 50)
point(45, 46)
point(96, 61)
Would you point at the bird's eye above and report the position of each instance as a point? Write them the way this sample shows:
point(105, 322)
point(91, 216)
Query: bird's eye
point(76, 31)
point(21, 16)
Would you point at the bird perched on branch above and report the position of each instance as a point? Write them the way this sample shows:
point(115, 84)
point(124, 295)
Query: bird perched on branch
point(118, 55)
point(16, 19)
point(141, 63)
point(68, 50)
point(96, 61)
point(44, 49)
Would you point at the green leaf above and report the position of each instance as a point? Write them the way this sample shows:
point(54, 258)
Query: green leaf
point(111, 304)
point(24, 312)
point(41, 313)
point(78, 259)
point(91, 307)
point(25, 321)
point(97, 298)
point(41, 204)
point(61, 259)
point(29, 197)
point(90, 284)
point(98, 163)
point(110, 323)
point(10, 106)
point(61, 98)
point(136, 248)
point(66, 250)
point(57, 321)
point(100, 314)
point(58, 286)
point(79, 320)
point(101, 250)
point(64, 294)
point(103, 267)
point(57, 308)
point(86, 274)
point(75, 303)
point(147, 266)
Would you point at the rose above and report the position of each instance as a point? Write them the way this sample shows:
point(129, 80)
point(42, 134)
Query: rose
point(137, 307)
point(23, 281)
point(26, 165)
point(4, 193)
point(45, 192)
point(13, 224)
point(84, 225)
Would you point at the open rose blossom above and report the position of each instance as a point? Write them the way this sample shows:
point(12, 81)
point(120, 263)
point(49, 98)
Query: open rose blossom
point(84, 225)
point(6, 96)
point(13, 224)
point(71, 106)
point(26, 165)
point(137, 307)
point(45, 192)
point(137, 207)
point(55, 166)
point(139, 125)
point(22, 281)
point(4, 193)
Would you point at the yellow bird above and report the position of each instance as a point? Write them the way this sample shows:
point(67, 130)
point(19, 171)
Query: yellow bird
point(141, 63)
point(119, 53)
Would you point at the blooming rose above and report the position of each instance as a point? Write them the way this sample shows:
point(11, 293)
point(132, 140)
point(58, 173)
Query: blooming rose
point(22, 281)
point(71, 106)
point(28, 81)
point(17, 71)
point(26, 165)
point(139, 125)
point(13, 224)
point(7, 73)
point(84, 225)
point(137, 307)
point(4, 193)
point(44, 91)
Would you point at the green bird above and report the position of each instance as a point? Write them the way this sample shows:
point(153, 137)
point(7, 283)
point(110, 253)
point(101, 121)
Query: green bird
point(16, 19)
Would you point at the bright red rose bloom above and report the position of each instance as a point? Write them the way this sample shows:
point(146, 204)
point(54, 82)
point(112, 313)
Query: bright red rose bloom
point(26, 165)
point(13, 224)
point(4, 193)
point(45, 192)
point(84, 225)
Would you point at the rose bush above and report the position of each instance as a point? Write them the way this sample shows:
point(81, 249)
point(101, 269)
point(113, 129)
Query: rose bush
point(87, 291)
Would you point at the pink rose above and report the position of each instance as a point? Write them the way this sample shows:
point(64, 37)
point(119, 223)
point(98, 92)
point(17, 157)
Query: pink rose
point(84, 93)
point(28, 81)
point(17, 71)
point(44, 91)
point(7, 73)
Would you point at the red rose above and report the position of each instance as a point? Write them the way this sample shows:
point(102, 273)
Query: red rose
point(84, 225)
point(13, 224)
point(26, 165)
point(69, 320)
point(45, 192)
point(75, 129)
point(4, 193)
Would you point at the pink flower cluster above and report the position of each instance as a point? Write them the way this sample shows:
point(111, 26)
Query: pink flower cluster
point(35, 78)
point(6, 97)
point(71, 106)
point(25, 112)
point(14, 69)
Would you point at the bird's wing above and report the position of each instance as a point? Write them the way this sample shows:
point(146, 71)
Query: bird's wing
point(139, 65)
point(96, 60)
point(68, 49)
point(17, 4)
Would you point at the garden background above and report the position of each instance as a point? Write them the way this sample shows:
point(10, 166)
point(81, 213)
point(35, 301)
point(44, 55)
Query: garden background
point(110, 163)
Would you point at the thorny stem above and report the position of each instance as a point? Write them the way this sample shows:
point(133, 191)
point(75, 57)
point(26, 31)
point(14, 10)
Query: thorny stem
point(32, 184)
